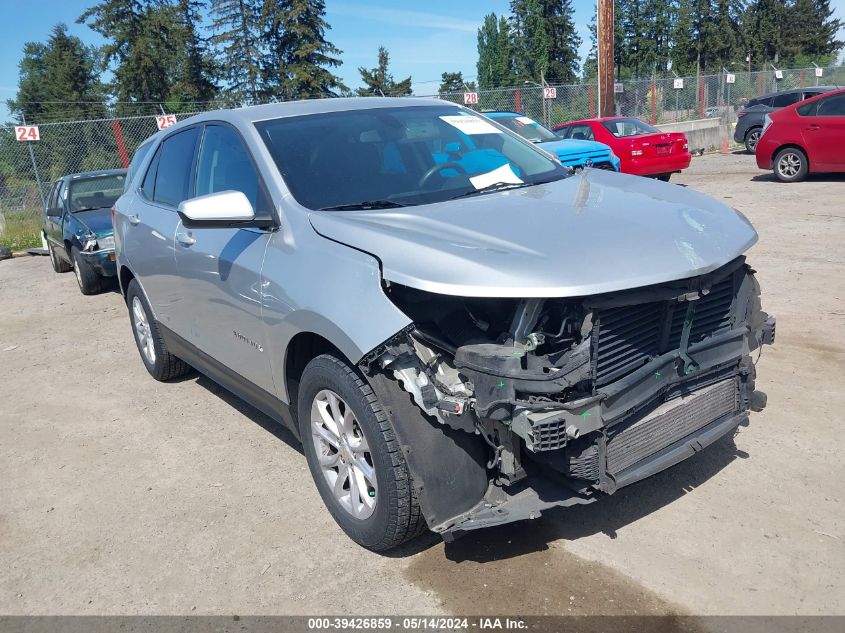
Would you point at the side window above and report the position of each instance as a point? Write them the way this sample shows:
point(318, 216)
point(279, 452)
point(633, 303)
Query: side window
point(581, 132)
point(149, 184)
point(135, 165)
point(174, 169)
point(808, 109)
point(810, 94)
point(564, 132)
point(832, 106)
point(225, 165)
point(52, 196)
point(781, 101)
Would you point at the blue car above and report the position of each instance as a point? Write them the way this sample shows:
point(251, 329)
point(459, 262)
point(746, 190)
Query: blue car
point(576, 154)
point(78, 227)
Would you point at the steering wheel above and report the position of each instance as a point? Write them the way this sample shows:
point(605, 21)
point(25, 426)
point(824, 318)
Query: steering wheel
point(436, 169)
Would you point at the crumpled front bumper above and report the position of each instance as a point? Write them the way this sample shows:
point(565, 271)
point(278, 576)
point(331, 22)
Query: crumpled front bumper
point(103, 261)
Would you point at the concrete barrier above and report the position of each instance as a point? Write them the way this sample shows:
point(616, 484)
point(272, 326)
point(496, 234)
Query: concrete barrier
point(706, 134)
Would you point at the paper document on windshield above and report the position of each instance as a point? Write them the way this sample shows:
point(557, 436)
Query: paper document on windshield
point(469, 124)
point(503, 174)
point(526, 120)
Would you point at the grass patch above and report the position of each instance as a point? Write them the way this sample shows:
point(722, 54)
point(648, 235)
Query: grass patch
point(20, 230)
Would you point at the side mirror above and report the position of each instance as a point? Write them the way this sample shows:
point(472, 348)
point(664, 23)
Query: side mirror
point(221, 209)
point(54, 212)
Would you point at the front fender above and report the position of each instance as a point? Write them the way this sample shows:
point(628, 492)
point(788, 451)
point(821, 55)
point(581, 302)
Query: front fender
point(318, 286)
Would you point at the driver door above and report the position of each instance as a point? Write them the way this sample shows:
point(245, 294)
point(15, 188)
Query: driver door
point(220, 268)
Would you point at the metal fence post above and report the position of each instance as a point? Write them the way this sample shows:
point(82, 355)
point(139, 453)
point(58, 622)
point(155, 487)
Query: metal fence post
point(35, 168)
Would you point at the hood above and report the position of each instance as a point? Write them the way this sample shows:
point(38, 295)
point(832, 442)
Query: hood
point(97, 220)
point(591, 233)
point(573, 147)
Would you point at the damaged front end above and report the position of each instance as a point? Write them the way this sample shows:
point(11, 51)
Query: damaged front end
point(554, 402)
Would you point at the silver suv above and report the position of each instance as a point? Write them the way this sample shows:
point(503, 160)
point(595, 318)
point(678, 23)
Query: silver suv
point(461, 333)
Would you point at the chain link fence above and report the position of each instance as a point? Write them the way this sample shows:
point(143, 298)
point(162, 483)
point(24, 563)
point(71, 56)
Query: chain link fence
point(659, 100)
point(28, 167)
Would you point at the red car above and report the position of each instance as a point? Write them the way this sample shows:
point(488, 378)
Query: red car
point(644, 150)
point(807, 137)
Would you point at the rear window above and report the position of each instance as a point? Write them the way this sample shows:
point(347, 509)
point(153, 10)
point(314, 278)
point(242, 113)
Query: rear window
point(764, 101)
point(787, 99)
point(621, 128)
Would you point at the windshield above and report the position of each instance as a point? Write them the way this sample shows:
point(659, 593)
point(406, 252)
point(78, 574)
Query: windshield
point(527, 128)
point(95, 192)
point(398, 156)
point(628, 127)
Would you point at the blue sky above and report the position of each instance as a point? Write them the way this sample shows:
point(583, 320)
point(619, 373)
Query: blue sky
point(423, 38)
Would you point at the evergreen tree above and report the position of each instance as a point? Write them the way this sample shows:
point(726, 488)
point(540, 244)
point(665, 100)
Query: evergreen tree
point(454, 82)
point(729, 45)
point(765, 24)
point(58, 80)
point(142, 40)
point(811, 32)
point(531, 41)
point(237, 28)
point(684, 52)
point(379, 82)
point(564, 41)
point(299, 56)
point(194, 68)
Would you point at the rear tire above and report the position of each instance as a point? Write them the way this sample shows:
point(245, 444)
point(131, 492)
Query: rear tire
point(664, 177)
point(355, 458)
point(59, 265)
point(160, 363)
point(790, 165)
point(752, 138)
point(90, 282)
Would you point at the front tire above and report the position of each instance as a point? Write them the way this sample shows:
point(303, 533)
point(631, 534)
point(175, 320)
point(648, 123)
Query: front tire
point(790, 165)
point(355, 458)
point(90, 282)
point(59, 265)
point(160, 363)
point(752, 138)
point(664, 177)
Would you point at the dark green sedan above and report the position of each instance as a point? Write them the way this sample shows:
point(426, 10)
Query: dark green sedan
point(78, 227)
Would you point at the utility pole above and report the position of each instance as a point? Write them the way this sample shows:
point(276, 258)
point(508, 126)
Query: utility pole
point(605, 31)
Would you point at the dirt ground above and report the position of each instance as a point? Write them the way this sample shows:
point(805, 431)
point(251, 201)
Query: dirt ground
point(121, 495)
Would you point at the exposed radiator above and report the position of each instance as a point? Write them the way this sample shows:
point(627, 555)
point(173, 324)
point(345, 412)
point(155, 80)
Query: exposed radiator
point(668, 423)
point(629, 336)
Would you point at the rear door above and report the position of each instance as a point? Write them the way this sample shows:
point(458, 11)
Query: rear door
point(823, 131)
point(148, 239)
point(220, 268)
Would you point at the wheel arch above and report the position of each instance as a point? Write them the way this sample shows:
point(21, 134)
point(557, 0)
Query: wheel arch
point(301, 350)
point(751, 128)
point(124, 276)
point(792, 145)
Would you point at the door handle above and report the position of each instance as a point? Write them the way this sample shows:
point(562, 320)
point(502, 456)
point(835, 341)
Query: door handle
point(812, 127)
point(134, 220)
point(185, 240)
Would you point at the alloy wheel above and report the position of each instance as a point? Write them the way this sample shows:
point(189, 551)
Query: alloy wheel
point(143, 331)
point(753, 139)
point(789, 165)
point(343, 454)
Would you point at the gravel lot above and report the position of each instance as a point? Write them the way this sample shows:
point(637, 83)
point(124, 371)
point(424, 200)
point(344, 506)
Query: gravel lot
point(120, 495)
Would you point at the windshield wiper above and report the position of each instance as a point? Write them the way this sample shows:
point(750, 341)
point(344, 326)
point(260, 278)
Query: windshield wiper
point(493, 186)
point(367, 204)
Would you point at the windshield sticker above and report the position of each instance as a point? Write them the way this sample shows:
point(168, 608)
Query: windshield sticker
point(503, 174)
point(526, 120)
point(469, 124)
